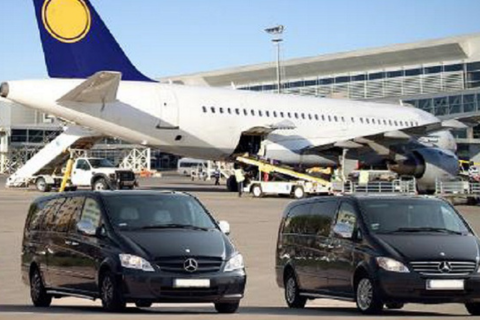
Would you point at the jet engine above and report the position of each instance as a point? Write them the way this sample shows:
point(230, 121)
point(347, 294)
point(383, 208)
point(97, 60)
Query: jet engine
point(427, 165)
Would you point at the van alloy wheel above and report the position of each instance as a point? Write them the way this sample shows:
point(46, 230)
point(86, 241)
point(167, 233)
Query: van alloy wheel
point(292, 293)
point(367, 298)
point(38, 294)
point(111, 294)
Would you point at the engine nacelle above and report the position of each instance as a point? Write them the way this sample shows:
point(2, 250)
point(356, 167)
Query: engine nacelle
point(427, 165)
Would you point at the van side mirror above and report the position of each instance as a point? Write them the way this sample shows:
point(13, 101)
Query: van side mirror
point(224, 227)
point(87, 228)
point(343, 230)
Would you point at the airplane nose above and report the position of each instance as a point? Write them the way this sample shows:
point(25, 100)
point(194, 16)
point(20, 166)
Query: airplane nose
point(4, 90)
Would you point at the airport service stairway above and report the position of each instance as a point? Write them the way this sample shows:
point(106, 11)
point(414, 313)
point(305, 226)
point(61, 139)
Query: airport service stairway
point(52, 157)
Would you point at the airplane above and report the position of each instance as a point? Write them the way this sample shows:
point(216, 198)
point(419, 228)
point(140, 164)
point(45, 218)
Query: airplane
point(94, 84)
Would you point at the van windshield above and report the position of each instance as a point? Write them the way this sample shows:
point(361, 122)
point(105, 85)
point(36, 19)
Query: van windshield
point(412, 216)
point(162, 211)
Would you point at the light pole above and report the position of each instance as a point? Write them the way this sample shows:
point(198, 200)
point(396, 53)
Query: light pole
point(276, 32)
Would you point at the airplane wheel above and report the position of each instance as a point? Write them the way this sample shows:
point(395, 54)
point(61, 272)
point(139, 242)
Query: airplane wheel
point(257, 191)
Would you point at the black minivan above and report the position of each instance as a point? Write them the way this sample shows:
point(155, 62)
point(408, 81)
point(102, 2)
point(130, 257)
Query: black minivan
point(376, 251)
point(130, 246)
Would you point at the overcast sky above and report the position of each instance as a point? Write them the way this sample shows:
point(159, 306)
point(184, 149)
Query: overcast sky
point(165, 38)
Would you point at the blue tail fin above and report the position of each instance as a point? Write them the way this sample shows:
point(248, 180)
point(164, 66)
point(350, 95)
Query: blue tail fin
point(77, 43)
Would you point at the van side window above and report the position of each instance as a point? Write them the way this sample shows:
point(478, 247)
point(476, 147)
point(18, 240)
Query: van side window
point(69, 209)
point(346, 221)
point(92, 212)
point(51, 213)
point(322, 217)
point(296, 219)
point(35, 216)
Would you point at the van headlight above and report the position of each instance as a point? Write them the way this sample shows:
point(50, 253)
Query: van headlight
point(235, 263)
point(134, 262)
point(391, 265)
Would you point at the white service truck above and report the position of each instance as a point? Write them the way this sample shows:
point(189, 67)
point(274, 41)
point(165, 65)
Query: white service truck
point(95, 173)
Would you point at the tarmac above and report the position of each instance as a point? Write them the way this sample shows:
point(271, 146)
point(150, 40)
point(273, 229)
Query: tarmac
point(254, 226)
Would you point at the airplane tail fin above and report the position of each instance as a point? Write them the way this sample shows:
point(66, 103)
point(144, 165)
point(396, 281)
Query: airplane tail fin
point(76, 42)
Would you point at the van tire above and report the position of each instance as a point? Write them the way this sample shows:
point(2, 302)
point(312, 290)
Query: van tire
point(292, 292)
point(111, 293)
point(473, 308)
point(38, 294)
point(298, 193)
point(42, 185)
point(100, 184)
point(367, 296)
point(257, 191)
point(227, 307)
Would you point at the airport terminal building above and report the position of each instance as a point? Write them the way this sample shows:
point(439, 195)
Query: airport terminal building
point(439, 76)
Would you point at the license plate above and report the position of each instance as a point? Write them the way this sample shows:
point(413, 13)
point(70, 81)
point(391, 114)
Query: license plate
point(191, 283)
point(446, 284)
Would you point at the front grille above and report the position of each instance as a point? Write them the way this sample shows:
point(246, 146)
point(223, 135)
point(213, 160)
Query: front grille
point(177, 264)
point(125, 175)
point(444, 268)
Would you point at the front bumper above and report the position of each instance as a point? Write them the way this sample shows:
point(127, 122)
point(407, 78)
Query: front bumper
point(412, 287)
point(159, 287)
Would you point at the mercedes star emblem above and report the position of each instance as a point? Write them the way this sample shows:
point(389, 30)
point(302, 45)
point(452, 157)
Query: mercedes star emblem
point(444, 267)
point(190, 265)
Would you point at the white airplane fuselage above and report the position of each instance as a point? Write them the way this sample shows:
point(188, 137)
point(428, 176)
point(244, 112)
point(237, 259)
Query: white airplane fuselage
point(205, 122)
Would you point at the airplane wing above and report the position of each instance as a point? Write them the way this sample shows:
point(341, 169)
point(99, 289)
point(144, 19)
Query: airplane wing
point(102, 87)
point(375, 141)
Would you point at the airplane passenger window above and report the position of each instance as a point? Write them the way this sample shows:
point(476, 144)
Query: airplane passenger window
point(229, 111)
point(237, 111)
point(373, 120)
point(289, 115)
point(361, 120)
point(296, 115)
point(281, 114)
point(252, 112)
point(323, 117)
point(353, 120)
point(395, 122)
point(316, 116)
point(302, 115)
point(267, 113)
point(390, 122)
point(401, 122)
point(329, 118)
point(245, 112)
point(260, 113)
point(275, 114)
point(343, 119)
point(335, 118)
point(213, 109)
point(221, 110)
point(384, 122)
point(204, 109)
point(367, 120)
point(309, 116)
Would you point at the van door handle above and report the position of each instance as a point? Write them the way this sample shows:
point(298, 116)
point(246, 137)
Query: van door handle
point(71, 243)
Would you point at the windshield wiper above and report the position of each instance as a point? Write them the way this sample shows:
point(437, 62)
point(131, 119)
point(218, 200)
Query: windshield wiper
point(175, 226)
point(426, 229)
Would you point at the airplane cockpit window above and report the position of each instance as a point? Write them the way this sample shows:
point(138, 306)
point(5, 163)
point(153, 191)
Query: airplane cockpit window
point(204, 109)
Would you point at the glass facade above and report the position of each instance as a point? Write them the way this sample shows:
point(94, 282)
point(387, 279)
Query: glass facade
point(405, 81)
point(32, 136)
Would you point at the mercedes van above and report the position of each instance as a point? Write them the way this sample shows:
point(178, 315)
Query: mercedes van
point(377, 251)
point(129, 246)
